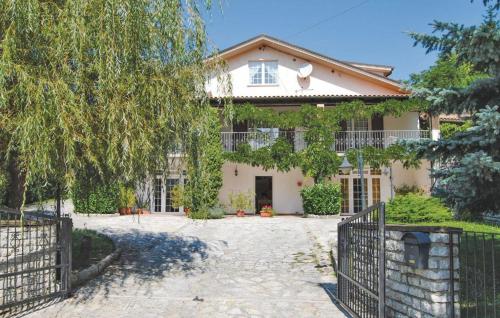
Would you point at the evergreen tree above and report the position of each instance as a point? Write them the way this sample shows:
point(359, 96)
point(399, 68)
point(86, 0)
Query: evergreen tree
point(468, 177)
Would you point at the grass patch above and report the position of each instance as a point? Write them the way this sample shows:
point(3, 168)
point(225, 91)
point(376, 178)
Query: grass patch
point(466, 226)
point(101, 247)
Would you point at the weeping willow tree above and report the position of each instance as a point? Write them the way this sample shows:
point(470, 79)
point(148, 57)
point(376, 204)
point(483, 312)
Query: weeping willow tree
point(108, 86)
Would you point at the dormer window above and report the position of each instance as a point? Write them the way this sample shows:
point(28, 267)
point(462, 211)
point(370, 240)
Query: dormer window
point(263, 72)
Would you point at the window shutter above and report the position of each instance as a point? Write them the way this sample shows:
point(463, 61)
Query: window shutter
point(377, 122)
point(343, 125)
point(240, 127)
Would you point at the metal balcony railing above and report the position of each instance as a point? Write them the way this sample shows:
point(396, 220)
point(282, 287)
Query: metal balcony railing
point(344, 140)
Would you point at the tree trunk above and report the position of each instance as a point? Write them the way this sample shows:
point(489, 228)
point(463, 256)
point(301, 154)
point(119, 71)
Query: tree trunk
point(16, 184)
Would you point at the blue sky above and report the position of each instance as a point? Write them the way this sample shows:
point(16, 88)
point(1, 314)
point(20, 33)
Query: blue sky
point(371, 31)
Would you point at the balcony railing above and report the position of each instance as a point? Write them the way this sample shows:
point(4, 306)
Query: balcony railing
point(344, 140)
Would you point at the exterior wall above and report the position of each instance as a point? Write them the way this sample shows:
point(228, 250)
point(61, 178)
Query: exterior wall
point(426, 293)
point(286, 192)
point(323, 80)
point(419, 177)
point(407, 121)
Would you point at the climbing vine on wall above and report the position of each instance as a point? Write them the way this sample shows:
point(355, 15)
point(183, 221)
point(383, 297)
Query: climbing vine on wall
point(318, 159)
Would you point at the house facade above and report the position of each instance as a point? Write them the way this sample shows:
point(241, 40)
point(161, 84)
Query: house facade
point(271, 73)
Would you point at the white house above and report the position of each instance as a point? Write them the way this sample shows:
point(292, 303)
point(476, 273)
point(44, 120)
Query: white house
point(268, 72)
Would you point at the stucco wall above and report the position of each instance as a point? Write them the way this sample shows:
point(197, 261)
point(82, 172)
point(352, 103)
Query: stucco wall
point(407, 121)
point(323, 80)
point(286, 192)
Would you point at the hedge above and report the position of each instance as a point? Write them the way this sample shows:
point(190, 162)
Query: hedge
point(102, 199)
point(321, 198)
point(416, 208)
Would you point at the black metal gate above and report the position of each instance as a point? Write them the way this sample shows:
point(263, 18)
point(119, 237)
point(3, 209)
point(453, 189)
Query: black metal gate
point(35, 260)
point(361, 266)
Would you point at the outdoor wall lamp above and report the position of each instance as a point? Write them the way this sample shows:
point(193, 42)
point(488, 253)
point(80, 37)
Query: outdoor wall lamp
point(345, 167)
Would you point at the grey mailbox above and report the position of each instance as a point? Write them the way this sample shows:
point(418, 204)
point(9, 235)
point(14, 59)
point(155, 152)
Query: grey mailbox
point(417, 246)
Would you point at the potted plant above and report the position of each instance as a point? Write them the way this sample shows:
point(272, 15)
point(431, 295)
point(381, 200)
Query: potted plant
point(180, 198)
point(126, 200)
point(241, 201)
point(267, 211)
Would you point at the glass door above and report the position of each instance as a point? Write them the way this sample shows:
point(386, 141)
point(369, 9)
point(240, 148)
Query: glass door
point(171, 183)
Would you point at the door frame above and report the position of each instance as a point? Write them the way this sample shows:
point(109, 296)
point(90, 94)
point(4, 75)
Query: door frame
point(256, 195)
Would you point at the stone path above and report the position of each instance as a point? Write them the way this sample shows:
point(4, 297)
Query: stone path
point(234, 267)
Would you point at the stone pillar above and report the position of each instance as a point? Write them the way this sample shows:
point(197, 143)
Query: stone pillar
point(422, 292)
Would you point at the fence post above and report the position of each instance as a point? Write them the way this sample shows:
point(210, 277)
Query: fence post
point(381, 261)
point(66, 229)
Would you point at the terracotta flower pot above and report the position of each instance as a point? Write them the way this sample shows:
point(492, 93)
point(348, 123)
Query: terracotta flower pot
point(122, 211)
point(240, 213)
point(186, 211)
point(128, 211)
point(266, 214)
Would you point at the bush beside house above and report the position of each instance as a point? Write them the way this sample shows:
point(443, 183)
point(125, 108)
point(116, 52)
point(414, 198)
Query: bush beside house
point(102, 199)
point(417, 208)
point(321, 198)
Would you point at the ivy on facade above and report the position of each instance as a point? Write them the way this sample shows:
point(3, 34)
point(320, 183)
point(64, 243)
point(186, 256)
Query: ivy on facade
point(318, 159)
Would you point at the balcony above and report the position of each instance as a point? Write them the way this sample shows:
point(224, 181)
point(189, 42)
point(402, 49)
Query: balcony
point(344, 140)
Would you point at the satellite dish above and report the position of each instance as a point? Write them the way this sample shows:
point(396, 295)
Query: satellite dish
point(305, 70)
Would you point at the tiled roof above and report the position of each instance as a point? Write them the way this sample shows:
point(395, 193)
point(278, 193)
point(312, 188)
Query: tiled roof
point(353, 96)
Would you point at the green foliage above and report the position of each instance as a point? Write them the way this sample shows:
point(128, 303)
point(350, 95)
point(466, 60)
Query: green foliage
point(318, 159)
point(414, 208)
point(110, 84)
point(179, 197)
point(449, 129)
point(102, 246)
point(406, 189)
point(205, 162)
point(466, 226)
point(102, 199)
point(468, 178)
point(446, 73)
point(4, 183)
point(241, 201)
point(321, 198)
point(216, 212)
point(126, 197)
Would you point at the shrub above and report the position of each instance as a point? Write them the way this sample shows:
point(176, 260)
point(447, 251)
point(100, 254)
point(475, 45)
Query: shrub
point(216, 212)
point(126, 197)
point(321, 198)
point(416, 208)
point(241, 201)
point(102, 199)
point(405, 189)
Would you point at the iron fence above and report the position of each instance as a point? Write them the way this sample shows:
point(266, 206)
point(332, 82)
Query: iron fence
point(479, 274)
point(35, 260)
point(361, 267)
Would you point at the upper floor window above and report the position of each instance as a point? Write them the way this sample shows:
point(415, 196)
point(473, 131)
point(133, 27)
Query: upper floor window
point(263, 72)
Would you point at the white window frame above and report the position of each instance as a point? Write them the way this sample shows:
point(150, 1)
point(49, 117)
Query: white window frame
point(263, 73)
point(350, 185)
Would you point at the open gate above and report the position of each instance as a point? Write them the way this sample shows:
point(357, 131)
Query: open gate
point(35, 260)
point(361, 264)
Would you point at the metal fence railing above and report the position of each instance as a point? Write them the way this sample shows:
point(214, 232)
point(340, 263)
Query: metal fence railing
point(479, 274)
point(361, 262)
point(344, 140)
point(35, 260)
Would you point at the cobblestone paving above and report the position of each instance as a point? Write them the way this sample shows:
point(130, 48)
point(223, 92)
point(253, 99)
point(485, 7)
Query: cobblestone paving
point(234, 267)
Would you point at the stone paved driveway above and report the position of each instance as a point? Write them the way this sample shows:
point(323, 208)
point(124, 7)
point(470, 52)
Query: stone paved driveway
point(234, 267)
